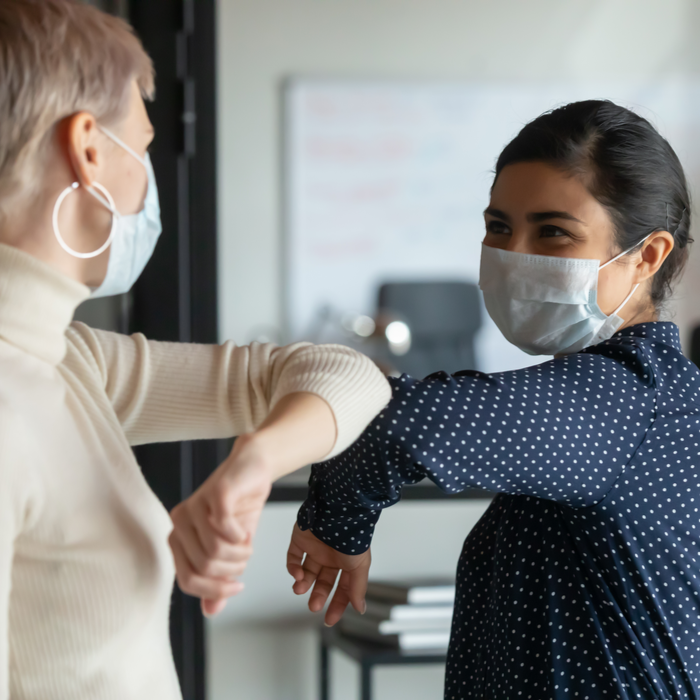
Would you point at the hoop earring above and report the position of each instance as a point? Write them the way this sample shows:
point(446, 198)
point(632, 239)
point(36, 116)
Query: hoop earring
point(57, 232)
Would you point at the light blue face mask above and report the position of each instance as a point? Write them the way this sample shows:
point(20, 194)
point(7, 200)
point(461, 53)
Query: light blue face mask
point(544, 304)
point(132, 238)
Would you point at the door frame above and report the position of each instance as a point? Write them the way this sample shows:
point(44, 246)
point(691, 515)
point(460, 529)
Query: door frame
point(175, 298)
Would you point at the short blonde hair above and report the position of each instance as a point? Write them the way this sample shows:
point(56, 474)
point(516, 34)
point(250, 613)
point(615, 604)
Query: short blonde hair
point(57, 58)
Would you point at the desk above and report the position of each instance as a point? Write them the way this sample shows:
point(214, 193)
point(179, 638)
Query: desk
point(367, 655)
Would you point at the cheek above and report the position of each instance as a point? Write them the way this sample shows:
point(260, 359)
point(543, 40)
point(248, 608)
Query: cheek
point(495, 241)
point(136, 185)
point(613, 288)
point(128, 187)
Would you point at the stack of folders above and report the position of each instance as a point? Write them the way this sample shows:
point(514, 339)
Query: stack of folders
point(408, 615)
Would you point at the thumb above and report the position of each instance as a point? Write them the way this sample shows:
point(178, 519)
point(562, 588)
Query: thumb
point(357, 588)
point(222, 518)
point(210, 608)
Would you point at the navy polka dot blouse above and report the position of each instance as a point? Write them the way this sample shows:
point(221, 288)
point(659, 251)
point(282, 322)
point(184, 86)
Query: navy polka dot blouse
point(582, 579)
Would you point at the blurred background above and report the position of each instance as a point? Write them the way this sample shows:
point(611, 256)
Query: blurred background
point(323, 166)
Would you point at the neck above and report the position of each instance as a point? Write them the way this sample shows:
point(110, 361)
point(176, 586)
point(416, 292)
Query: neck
point(36, 304)
point(645, 313)
point(28, 227)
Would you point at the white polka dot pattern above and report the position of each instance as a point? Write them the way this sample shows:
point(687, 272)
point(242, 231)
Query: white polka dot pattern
point(582, 579)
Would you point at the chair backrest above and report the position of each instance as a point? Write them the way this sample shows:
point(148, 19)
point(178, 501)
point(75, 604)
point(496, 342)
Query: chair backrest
point(443, 317)
point(695, 346)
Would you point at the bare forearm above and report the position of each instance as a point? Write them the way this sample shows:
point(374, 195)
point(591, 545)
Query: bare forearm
point(300, 430)
point(214, 527)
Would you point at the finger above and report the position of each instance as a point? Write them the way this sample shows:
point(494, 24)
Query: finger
point(226, 524)
point(295, 557)
point(210, 608)
point(205, 565)
point(215, 546)
point(311, 569)
point(189, 541)
point(357, 586)
point(340, 600)
point(193, 584)
point(223, 571)
point(322, 588)
point(249, 521)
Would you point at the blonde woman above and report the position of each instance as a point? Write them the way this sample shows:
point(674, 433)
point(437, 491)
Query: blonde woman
point(85, 568)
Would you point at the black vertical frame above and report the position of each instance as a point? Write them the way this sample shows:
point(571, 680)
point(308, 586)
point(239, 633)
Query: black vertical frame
point(176, 297)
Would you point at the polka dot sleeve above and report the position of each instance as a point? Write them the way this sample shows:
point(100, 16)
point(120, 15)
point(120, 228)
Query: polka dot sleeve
point(582, 578)
point(562, 430)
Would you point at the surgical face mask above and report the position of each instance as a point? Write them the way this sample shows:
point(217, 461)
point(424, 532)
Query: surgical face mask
point(546, 305)
point(132, 238)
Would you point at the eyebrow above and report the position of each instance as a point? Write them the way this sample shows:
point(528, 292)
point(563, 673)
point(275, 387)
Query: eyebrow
point(497, 214)
point(536, 217)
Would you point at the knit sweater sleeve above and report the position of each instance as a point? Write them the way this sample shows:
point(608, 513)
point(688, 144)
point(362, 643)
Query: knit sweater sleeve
point(16, 485)
point(8, 530)
point(178, 391)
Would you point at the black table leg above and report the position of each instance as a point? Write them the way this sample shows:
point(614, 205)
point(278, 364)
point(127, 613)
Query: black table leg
point(366, 690)
point(325, 671)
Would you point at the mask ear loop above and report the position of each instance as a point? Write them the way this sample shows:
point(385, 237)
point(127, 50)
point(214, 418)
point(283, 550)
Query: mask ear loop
point(624, 252)
point(106, 201)
point(636, 286)
point(125, 146)
point(629, 296)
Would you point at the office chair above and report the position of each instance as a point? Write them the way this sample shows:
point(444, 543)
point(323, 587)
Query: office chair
point(443, 318)
point(695, 346)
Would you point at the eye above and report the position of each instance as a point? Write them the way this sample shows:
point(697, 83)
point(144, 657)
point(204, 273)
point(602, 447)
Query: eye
point(553, 232)
point(497, 227)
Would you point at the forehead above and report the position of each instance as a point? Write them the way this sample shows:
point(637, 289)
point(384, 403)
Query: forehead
point(523, 188)
point(137, 114)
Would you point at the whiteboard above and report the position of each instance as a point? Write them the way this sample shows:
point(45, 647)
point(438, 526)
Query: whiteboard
point(387, 181)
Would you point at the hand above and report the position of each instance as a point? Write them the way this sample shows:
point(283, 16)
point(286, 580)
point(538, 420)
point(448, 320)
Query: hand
point(322, 565)
point(214, 528)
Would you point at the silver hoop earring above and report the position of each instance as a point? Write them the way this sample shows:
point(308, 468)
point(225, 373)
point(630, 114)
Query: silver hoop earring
point(57, 232)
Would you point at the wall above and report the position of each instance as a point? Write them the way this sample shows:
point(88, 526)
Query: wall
point(263, 41)
point(260, 43)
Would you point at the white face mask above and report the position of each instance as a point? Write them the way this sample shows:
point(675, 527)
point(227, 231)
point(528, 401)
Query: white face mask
point(544, 304)
point(132, 238)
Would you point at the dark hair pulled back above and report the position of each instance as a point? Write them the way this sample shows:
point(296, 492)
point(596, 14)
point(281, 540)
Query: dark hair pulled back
point(625, 164)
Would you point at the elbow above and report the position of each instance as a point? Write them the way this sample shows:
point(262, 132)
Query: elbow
point(358, 397)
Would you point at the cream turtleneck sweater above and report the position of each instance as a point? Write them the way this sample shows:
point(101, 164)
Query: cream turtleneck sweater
point(85, 570)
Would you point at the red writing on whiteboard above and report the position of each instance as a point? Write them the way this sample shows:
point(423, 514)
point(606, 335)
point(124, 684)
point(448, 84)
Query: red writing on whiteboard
point(348, 149)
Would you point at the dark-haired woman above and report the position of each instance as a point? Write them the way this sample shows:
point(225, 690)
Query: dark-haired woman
point(582, 579)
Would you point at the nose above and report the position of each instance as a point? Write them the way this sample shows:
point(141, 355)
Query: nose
point(518, 242)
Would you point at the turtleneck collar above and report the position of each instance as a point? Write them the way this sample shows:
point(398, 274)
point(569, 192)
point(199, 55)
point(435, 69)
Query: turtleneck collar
point(37, 304)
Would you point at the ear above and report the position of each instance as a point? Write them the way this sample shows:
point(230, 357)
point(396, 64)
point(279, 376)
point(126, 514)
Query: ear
point(655, 250)
point(81, 139)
